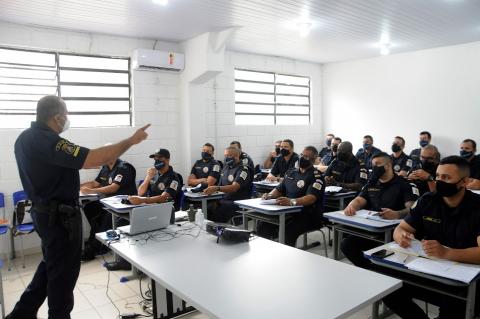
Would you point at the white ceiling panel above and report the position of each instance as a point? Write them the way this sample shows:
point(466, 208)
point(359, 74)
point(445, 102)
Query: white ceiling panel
point(341, 29)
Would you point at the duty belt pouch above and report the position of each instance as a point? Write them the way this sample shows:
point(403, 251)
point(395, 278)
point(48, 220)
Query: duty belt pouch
point(67, 216)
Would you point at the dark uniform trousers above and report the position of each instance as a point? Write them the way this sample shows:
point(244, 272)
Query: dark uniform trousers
point(295, 225)
point(353, 247)
point(57, 273)
point(222, 211)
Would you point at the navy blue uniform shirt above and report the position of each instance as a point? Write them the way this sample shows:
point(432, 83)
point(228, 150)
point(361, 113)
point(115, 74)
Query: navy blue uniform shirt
point(122, 174)
point(280, 167)
point(366, 158)
point(202, 169)
point(415, 156)
point(168, 182)
point(48, 165)
point(240, 174)
point(246, 160)
point(456, 227)
point(402, 163)
point(475, 167)
point(328, 158)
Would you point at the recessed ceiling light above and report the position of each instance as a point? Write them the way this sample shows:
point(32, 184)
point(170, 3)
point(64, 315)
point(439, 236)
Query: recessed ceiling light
point(304, 28)
point(160, 2)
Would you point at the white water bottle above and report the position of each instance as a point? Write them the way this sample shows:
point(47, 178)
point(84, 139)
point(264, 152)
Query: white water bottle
point(199, 218)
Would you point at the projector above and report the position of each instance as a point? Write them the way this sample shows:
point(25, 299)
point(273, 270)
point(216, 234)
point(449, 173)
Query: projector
point(228, 232)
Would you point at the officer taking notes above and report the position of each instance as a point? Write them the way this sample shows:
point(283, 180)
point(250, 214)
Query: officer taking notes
point(48, 165)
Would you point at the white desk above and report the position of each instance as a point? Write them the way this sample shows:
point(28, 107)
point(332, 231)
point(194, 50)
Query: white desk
point(204, 198)
point(272, 210)
point(394, 266)
point(265, 185)
point(259, 279)
point(338, 199)
point(357, 226)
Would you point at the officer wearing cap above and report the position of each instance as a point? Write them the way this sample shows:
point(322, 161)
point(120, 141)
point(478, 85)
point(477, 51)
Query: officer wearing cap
point(205, 170)
point(468, 148)
point(422, 174)
point(115, 178)
point(425, 138)
point(302, 186)
point(367, 152)
point(244, 157)
point(344, 171)
point(235, 182)
point(448, 224)
point(386, 193)
point(272, 156)
point(48, 165)
point(287, 160)
point(402, 164)
point(161, 184)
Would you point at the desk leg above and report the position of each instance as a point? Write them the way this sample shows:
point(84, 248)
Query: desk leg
point(281, 229)
point(470, 304)
point(245, 222)
point(204, 208)
point(375, 308)
point(341, 204)
point(388, 236)
point(335, 242)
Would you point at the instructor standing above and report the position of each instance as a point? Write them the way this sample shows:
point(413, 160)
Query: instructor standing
point(48, 166)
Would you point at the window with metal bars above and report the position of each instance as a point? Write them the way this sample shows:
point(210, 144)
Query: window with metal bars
point(96, 89)
point(267, 98)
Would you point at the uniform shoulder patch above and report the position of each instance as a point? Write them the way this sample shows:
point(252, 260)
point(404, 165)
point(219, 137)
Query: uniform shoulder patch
point(415, 190)
point(67, 147)
point(216, 168)
point(317, 185)
point(244, 175)
point(118, 178)
point(174, 185)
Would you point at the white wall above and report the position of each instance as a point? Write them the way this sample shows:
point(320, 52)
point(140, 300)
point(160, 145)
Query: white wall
point(256, 140)
point(155, 99)
point(403, 94)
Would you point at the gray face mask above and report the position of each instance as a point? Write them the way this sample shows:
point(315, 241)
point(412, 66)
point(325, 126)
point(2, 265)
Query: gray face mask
point(66, 126)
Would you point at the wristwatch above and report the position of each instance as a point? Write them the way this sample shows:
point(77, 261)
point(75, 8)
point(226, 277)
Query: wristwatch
point(430, 178)
point(293, 202)
point(218, 188)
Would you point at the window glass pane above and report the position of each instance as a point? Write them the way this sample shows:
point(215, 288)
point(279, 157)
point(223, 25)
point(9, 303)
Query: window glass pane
point(11, 80)
point(254, 120)
point(254, 76)
point(93, 77)
point(99, 120)
point(254, 98)
point(85, 62)
point(25, 89)
point(27, 57)
point(292, 120)
point(16, 121)
point(26, 73)
point(283, 89)
point(292, 109)
point(253, 108)
point(254, 87)
point(98, 106)
point(23, 97)
point(94, 91)
point(292, 100)
point(18, 106)
point(289, 79)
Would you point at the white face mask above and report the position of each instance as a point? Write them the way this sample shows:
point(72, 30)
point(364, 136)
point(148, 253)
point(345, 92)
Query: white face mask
point(66, 126)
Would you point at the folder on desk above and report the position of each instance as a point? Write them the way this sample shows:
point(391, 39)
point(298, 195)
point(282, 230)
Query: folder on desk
point(445, 268)
point(373, 215)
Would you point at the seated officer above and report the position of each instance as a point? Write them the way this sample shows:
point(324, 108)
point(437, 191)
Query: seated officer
point(422, 174)
point(385, 192)
point(366, 153)
point(402, 164)
point(205, 170)
point(425, 139)
point(468, 148)
point(303, 186)
point(272, 156)
point(448, 224)
point(287, 160)
point(344, 171)
point(115, 178)
point(323, 162)
point(328, 145)
point(235, 181)
point(246, 160)
point(161, 184)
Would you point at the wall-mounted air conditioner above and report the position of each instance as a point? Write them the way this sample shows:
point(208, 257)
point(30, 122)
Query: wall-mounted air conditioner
point(154, 59)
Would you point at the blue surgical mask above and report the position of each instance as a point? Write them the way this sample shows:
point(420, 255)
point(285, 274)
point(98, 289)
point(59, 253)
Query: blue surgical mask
point(206, 156)
point(159, 164)
point(367, 146)
point(328, 142)
point(423, 143)
point(229, 161)
point(466, 154)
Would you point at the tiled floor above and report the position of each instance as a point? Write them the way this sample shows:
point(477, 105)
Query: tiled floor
point(91, 301)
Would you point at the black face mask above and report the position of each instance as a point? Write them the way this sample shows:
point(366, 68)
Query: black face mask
point(159, 164)
point(277, 150)
point(445, 189)
point(335, 148)
point(284, 152)
point(378, 171)
point(396, 148)
point(206, 156)
point(328, 141)
point(229, 161)
point(466, 154)
point(343, 156)
point(304, 163)
point(428, 166)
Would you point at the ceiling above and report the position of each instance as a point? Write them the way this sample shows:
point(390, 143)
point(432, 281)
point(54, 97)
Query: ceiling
point(342, 29)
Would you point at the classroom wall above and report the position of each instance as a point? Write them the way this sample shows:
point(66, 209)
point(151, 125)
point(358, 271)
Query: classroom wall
point(403, 94)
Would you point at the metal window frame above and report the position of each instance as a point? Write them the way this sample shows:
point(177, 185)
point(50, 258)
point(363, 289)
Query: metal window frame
point(56, 70)
point(275, 94)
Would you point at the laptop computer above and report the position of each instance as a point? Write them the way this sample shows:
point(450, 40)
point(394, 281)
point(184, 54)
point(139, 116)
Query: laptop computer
point(148, 218)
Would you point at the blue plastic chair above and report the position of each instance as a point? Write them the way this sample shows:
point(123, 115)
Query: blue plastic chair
point(20, 228)
point(4, 229)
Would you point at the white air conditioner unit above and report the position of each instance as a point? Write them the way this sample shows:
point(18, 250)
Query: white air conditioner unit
point(154, 59)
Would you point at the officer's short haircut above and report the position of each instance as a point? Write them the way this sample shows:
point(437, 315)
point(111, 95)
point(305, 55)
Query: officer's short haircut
point(383, 155)
point(338, 139)
point(330, 134)
point(209, 145)
point(236, 143)
point(313, 150)
point(345, 147)
point(401, 139)
point(426, 133)
point(278, 142)
point(368, 136)
point(290, 142)
point(234, 150)
point(461, 163)
point(434, 149)
point(474, 144)
point(49, 106)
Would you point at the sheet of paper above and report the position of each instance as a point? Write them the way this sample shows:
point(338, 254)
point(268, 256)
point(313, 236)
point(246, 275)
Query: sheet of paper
point(332, 189)
point(373, 215)
point(415, 248)
point(268, 201)
point(445, 268)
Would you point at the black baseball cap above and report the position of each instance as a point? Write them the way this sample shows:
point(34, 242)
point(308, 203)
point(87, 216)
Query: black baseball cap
point(161, 152)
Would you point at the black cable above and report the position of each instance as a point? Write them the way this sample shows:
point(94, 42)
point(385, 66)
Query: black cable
point(108, 282)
